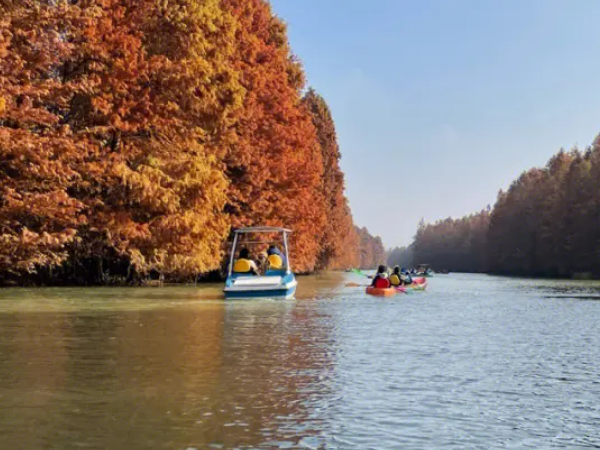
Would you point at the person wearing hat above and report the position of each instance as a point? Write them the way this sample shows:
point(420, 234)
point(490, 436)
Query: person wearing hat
point(382, 275)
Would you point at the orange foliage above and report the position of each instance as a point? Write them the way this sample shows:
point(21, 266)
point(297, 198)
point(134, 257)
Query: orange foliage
point(351, 248)
point(38, 218)
point(275, 166)
point(338, 239)
point(372, 251)
point(135, 133)
point(109, 136)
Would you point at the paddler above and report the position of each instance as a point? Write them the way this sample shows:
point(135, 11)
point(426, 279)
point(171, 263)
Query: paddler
point(382, 274)
point(405, 277)
point(396, 277)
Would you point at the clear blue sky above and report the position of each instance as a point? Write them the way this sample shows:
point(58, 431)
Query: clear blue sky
point(440, 103)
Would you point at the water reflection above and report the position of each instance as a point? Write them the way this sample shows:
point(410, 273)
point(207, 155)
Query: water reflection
point(33, 359)
point(274, 377)
point(106, 380)
point(209, 373)
point(476, 362)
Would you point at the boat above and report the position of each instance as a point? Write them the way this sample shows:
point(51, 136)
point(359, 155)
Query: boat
point(382, 292)
point(278, 281)
point(423, 270)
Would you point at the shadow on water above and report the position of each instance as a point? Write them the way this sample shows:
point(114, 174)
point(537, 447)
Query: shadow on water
point(565, 289)
point(574, 297)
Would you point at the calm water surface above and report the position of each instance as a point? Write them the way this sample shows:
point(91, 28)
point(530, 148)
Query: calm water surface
point(475, 363)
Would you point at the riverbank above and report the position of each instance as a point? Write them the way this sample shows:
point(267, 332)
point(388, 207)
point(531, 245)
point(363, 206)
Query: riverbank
point(205, 280)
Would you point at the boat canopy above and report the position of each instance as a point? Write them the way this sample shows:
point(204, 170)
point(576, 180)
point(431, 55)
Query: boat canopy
point(238, 239)
point(262, 230)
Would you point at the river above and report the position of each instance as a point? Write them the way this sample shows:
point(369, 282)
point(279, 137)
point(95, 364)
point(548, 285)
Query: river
point(476, 362)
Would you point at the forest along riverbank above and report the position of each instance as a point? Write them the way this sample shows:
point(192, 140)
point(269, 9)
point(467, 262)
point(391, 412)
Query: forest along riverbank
point(476, 361)
point(112, 173)
point(544, 225)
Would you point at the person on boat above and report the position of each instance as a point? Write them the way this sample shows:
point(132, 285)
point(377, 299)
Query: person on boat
point(244, 264)
point(405, 277)
point(381, 279)
point(276, 258)
point(263, 263)
point(396, 277)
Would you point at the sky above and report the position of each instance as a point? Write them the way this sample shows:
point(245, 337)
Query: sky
point(439, 104)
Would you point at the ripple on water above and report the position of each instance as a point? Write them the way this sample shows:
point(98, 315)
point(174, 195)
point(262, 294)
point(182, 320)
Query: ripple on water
point(477, 362)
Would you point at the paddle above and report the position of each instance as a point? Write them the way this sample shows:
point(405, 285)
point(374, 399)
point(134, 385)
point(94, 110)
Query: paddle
point(361, 273)
point(357, 272)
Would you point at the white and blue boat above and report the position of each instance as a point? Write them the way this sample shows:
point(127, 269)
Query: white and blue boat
point(277, 281)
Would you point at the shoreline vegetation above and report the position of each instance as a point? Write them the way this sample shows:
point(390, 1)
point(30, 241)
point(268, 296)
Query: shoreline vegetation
point(134, 135)
point(546, 225)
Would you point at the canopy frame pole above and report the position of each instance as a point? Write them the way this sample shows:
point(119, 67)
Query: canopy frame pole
point(232, 257)
point(287, 256)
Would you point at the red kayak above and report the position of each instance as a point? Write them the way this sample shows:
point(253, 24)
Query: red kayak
point(418, 284)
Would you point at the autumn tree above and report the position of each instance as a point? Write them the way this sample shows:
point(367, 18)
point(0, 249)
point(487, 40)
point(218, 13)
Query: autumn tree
point(38, 217)
point(135, 134)
point(350, 247)
point(371, 249)
point(111, 132)
point(275, 164)
point(338, 222)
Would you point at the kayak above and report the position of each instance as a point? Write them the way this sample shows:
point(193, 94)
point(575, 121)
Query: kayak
point(381, 292)
point(418, 284)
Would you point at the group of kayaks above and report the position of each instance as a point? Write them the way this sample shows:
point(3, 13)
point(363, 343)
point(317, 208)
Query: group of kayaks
point(418, 284)
point(414, 284)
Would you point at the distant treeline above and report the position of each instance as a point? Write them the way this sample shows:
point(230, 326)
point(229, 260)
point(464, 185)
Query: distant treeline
point(402, 257)
point(372, 250)
point(135, 134)
point(456, 245)
point(547, 224)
